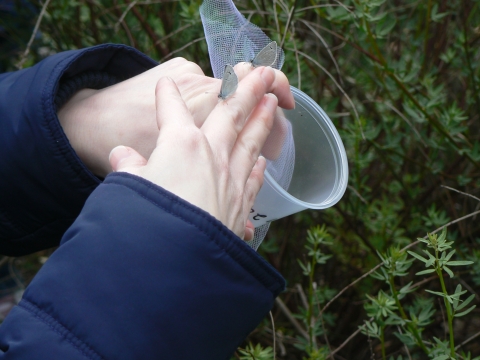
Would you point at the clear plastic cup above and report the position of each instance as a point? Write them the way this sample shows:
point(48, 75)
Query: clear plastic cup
point(320, 169)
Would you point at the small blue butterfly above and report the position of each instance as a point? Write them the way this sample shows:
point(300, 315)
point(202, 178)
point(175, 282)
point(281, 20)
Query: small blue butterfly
point(267, 56)
point(229, 82)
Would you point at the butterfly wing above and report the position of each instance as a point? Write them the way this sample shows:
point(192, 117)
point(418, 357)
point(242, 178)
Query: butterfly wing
point(229, 82)
point(267, 56)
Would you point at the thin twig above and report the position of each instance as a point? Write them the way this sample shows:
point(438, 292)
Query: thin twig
point(469, 288)
point(303, 297)
point(350, 285)
point(404, 345)
point(468, 340)
point(126, 28)
point(356, 46)
point(460, 192)
point(173, 33)
point(290, 317)
point(424, 281)
point(311, 320)
point(283, 5)
point(357, 193)
point(406, 120)
point(457, 220)
point(274, 340)
point(122, 17)
point(338, 86)
point(180, 49)
point(345, 342)
point(299, 72)
point(346, 8)
point(23, 58)
point(290, 16)
point(320, 37)
point(275, 16)
point(323, 323)
point(316, 7)
point(444, 321)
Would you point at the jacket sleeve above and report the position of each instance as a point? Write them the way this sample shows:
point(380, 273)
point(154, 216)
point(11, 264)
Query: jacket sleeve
point(43, 183)
point(141, 274)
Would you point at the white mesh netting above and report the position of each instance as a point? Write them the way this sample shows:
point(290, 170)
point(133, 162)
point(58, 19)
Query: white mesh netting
point(232, 39)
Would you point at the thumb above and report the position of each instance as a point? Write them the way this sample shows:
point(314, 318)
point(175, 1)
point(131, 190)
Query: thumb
point(123, 158)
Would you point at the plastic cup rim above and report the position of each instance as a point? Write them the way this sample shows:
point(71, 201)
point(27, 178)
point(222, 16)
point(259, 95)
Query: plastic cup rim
point(341, 182)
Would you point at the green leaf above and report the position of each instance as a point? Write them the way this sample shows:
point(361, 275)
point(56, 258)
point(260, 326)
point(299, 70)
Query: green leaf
point(457, 299)
point(436, 293)
point(442, 236)
point(428, 271)
point(385, 26)
point(448, 271)
point(449, 255)
point(415, 255)
point(465, 312)
point(435, 15)
point(377, 275)
point(406, 289)
point(459, 263)
point(466, 302)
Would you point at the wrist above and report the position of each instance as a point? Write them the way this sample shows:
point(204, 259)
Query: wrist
point(78, 120)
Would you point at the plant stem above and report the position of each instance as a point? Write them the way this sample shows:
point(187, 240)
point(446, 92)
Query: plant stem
point(469, 62)
point(427, 28)
point(310, 317)
point(382, 341)
point(449, 309)
point(413, 328)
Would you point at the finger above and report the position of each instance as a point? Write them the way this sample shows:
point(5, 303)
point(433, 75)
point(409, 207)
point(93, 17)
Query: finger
point(280, 87)
point(200, 94)
point(170, 107)
point(276, 139)
point(228, 118)
point(252, 138)
point(176, 67)
point(124, 158)
point(249, 231)
point(252, 187)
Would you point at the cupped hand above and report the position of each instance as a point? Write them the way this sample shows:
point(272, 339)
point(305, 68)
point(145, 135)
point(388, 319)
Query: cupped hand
point(222, 156)
point(95, 121)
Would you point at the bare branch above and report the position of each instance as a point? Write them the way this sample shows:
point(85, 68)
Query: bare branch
point(23, 58)
point(290, 317)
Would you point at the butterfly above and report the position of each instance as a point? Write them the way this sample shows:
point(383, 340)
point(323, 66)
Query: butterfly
point(229, 82)
point(267, 56)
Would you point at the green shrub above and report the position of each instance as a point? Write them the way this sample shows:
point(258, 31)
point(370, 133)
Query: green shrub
point(400, 81)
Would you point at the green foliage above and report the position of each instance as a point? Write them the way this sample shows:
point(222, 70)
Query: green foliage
point(401, 83)
point(256, 352)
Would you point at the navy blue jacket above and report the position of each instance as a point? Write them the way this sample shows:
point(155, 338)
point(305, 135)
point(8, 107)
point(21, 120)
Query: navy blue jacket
point(140, 273)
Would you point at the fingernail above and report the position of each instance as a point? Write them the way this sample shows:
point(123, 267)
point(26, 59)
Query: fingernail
point(121, 152)
point(271, 101)
point(268, 74)
point(249, 233)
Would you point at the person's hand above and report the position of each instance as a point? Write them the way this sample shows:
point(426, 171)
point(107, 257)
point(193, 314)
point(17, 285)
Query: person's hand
point(222, 156)
point(95, 121)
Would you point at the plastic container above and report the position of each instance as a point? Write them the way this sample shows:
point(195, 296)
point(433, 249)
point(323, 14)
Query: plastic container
point(320, 172)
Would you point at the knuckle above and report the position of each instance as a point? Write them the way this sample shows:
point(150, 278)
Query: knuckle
point(194, 68)
point(238, 114)
point(188, 66)
point(223, 164)
point(252, 148)
point(179, 60)
point(254, 89)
